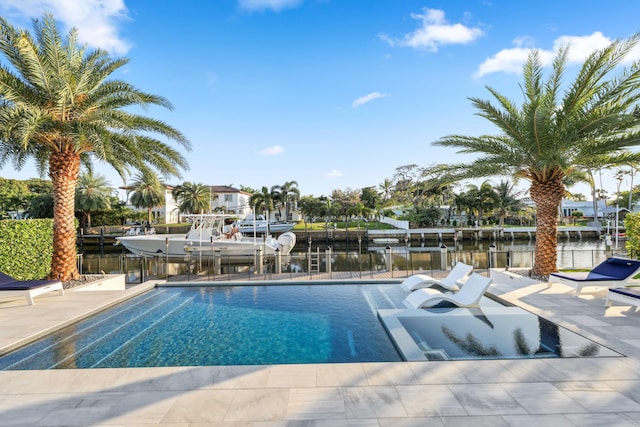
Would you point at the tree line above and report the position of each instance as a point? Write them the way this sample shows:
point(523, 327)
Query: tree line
point(61, 106)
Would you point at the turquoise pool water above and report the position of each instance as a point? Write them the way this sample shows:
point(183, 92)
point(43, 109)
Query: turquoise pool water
point(200, 326)
point(289, 324)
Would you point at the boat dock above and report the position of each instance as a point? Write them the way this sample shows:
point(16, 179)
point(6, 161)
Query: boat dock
point(478, 234)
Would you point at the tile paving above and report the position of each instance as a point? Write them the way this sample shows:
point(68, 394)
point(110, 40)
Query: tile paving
point(536, 392)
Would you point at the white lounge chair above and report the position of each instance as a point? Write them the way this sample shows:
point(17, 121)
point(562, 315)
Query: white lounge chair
point(469, 296)
point(451, 282)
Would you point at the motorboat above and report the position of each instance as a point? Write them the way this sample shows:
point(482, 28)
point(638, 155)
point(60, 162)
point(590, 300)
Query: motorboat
point(260, 225)
point(210, 235)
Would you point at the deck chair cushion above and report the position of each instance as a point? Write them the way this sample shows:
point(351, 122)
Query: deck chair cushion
point(611, 272)
point(10, 287)
point(26, 285)
point(617, 268)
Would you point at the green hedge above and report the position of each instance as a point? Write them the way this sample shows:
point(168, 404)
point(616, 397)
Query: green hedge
point(26, 248)
point(632, 230)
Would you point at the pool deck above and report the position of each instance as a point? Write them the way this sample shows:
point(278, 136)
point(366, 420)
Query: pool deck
point(536, 392)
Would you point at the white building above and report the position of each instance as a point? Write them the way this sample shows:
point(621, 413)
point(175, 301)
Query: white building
point(223, 199)
point(229, 200)
point(567, 207)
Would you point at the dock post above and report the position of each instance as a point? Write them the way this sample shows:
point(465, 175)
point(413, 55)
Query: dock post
point(217, 267)
point(327, 259)
point(258, 261)
point(278, 261)
point(443, 256)
point(388, 262)
point(493, 258)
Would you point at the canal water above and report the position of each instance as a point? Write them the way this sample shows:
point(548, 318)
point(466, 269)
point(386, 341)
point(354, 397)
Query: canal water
point(354, 256)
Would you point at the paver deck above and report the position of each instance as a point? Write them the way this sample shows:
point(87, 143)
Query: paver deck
point(540, 392)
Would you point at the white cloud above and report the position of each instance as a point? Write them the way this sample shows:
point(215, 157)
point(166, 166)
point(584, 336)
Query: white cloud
point(272, 151)
point(276, 5)
point(96, 20)
point(580, 47)
point(435, 32)
point(367, 98)
point(333, 174)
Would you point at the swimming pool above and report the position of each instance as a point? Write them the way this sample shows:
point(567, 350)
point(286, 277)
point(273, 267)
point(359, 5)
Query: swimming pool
point(289, 324)
point(239, 325)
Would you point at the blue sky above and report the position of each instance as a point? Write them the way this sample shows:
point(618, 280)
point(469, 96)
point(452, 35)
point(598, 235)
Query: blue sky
point(333, 94)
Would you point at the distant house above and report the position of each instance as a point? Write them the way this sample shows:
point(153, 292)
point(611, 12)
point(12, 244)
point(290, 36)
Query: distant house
point(223, 199)
point(167, 214)
point(567, 207)
point(230, 200)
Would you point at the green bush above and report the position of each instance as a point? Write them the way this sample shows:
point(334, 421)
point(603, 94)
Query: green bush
point(632, 225)
point(26, 248)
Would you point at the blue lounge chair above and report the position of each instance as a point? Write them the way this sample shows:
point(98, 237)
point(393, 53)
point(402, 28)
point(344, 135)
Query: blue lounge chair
point(469, 296)
point(611, 272)
point(10, 287)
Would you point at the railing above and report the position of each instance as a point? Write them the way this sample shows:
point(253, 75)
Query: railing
point(327, 263)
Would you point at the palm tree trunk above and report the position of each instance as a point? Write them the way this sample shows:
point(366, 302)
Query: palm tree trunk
point(64, 169)
point(547, 195)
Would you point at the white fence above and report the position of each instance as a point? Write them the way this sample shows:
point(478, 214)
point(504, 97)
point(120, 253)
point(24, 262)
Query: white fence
point(394, 222)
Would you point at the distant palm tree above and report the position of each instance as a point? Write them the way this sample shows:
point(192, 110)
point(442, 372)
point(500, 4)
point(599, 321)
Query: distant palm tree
point(286, 194)
point(148, 192)
point(192, 198)
point(480, 200)
point(386, 188)
point(58, 106)
point(506, 200)
point(546, 138)
point(93, 193)
point(262, 201)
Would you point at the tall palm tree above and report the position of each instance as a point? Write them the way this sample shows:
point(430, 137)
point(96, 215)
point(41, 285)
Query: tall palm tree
point(148, 192)
point(286, 194)
point(543, 140)
point(58, 106)
point(192, 197)
point(93, 193)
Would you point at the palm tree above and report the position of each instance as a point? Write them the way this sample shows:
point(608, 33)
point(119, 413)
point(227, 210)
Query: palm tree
point(93, 193)
point(548, 136)
point(506, 200)
point(148, 192)
point(286, 194)
point(192, 198)
point(262, 201)
point(58, 106)
point(386, 188)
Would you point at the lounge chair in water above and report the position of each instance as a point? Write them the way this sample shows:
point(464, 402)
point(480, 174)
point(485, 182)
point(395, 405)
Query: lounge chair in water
point(10, 287)
point(468, 296)
point(452, 282)
point(613, 272)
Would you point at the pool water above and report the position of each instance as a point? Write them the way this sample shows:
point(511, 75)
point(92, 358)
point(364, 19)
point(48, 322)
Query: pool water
point(240, 325)
point(288, 324)
point(489, 332)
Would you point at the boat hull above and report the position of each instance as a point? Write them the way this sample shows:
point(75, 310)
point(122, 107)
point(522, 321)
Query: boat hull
point(178, 246)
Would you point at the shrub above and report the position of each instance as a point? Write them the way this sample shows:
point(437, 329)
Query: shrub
point(632, 225)
point(26, 248)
